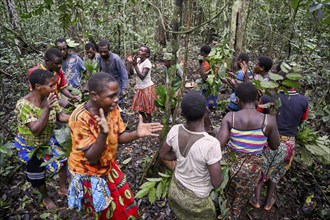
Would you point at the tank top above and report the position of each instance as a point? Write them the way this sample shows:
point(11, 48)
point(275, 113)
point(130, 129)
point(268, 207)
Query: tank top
point(248, 141)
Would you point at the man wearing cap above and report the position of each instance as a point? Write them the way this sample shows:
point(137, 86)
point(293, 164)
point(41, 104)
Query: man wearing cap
point(167, 60)
point(176, 83)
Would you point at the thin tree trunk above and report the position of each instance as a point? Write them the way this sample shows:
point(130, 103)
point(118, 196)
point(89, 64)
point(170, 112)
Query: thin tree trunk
point(15, 25)
point(238, 24)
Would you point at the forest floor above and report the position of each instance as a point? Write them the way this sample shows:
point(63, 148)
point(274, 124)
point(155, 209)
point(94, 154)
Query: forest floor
point(298, 185)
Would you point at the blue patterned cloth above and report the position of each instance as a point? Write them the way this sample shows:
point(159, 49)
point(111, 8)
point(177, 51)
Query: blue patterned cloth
point(73, 67)
point(100, 192)
point(24, 150)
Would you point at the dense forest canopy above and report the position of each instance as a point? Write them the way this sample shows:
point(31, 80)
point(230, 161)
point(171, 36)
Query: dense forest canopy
point(296, 31)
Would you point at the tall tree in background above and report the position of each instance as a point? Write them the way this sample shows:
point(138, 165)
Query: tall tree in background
point(238, 23)
point(15, 26)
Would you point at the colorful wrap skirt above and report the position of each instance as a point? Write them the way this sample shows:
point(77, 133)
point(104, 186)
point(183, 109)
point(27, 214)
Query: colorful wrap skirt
point(106, 197)
point(25, 153)
point(185, 204)
point(244, 175)
point(211, 100)
point(144, 100)
point(277, 162)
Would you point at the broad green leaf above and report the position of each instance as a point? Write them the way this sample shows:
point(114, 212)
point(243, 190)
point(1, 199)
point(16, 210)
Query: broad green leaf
point(285, 67)
point(63, 137)
point(142, 193)
point(152, 195)
point(291, 83)
point(275, 77)
point(147, 185)
point(44, 215)
point(269, 84)
point(315, 149)
point(165, 186)
point(210, 78)
point(294, 76)
point(127, 161)
point(296, 69)
point(52, 160)
point(159, 191)
point(294, 4)
point(154, 179)
point(306, 156)
point(164, 175)
point(3, 149)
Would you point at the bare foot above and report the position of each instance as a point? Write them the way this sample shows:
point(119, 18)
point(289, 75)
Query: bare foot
point(63, 191)
point(254, 203)
point(269, 206)
point(49, 204)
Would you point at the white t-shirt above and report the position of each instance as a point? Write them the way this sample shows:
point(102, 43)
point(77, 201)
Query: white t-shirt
point(146, 82)
point(192, 170)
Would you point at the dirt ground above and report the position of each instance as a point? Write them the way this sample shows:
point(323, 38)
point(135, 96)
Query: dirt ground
point(23, 201)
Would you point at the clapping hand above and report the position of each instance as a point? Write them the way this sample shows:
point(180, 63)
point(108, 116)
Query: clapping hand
point(148, 129)
point(132, 60)
point(244, 67)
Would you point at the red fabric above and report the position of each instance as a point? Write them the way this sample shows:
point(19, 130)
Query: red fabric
point(259, 109)
point(123, 205)
point(304, 117)
point(61, 80)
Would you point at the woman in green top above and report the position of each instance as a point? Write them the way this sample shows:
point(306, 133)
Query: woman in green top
point(37, 113)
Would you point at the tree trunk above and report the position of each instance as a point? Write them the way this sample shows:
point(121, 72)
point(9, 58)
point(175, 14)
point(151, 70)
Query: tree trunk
point(238, 24)
point(15, 26)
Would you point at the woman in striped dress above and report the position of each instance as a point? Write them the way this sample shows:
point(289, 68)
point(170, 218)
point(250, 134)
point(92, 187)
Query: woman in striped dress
point(246, 132)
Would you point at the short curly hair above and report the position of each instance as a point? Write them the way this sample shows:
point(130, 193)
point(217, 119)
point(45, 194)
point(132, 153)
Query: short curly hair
point(193, 106)
point(39, 76)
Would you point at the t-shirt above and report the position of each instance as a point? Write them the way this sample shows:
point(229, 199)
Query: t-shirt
point(61, 80)
point(72, 67)
point(293, 109)
point(84, 132)
point(146, 82)
point(117, 68)
point(192, 171)
point(27, 112)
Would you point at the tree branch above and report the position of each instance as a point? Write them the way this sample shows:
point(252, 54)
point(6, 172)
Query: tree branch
point(5, 73)
point(184, 32)
point(18, 36)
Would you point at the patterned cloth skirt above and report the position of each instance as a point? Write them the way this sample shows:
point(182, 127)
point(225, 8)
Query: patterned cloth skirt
point(106, 197)
point(144, 100)
point(186, 205)
point(277, 162)
point(244, 175)
point(53, 149)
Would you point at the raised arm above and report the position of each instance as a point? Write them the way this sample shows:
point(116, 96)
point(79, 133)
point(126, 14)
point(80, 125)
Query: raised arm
point(37, 127)
point(143, 130)
point(94, 152)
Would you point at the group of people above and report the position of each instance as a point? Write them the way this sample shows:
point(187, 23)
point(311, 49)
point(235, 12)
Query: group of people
point(263, 144)
point(257, 143)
